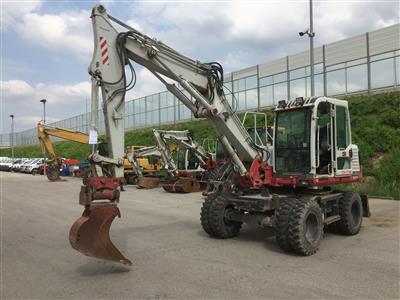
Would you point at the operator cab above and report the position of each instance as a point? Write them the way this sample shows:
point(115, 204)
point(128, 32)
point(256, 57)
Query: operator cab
point(313, 139)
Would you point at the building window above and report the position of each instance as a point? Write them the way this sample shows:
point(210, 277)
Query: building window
point(251, 82)
point(280, 77)
point(251, 99)
point(297, 73)
point(265, 81)
point(357, 78)
point(382, 73)
point(336, 82)
point(297, 88)
point(280, 92)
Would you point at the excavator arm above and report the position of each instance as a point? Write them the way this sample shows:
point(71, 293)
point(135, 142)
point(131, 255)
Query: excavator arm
point(44, 133)
point(203, 82)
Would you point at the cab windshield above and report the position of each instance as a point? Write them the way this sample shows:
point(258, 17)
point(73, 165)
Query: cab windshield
point(292, 141)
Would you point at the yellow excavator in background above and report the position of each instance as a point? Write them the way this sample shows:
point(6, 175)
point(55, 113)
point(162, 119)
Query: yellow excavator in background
point(141, 165)
point(54, 162)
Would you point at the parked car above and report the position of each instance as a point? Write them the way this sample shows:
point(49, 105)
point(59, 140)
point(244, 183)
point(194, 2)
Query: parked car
point(33, 167)
point(5, 164)
point(22, 166)
point(16, 164)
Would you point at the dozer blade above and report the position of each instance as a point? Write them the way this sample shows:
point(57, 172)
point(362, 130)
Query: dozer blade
point(148, 182)
point(184, 185)
point(90, 234)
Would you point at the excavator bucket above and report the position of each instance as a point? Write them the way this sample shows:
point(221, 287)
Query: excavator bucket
point(148, 182)
point(185, 185)
point(90, 234)
point(53, 172)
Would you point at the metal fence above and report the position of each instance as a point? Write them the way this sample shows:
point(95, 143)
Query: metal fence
point(361, 64)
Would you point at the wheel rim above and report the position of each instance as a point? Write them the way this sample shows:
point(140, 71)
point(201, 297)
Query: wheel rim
point(355, 212)
point(228, 210)
point(311, 228)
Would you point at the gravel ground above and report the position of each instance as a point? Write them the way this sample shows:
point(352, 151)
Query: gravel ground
point(173, 258)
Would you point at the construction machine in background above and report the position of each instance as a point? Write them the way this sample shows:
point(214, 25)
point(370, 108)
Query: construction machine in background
point(185, 161)
point(137, 163)
point(53, 163)
point(286, 185)
point(189, 172)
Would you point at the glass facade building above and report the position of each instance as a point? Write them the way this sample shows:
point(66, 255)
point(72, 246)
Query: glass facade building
point(365, 63)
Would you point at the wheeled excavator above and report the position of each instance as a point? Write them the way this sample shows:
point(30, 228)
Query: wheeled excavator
point(286, 186)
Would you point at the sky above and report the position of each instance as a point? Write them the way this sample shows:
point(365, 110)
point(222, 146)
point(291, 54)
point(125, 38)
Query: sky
point(46, 46)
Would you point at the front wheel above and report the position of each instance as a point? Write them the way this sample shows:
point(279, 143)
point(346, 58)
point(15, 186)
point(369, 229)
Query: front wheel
point(282, 216)
point(305, 227)
point(214, 219)
point(351, 214)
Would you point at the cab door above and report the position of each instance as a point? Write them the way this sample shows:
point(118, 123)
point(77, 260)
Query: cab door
point(342, 150)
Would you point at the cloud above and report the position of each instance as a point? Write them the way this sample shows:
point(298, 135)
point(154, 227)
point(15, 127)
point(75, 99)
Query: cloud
point(259, 30)
point(217, 31)
point(16, 88)
point(238, 34)
point(68, 32)
point(12, 11)
point(22, 99)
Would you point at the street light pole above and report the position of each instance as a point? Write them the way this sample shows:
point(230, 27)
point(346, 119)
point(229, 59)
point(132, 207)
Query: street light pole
point(311, 35)
point(310, 32)
point(44, 110)
point(12, 135)
point(44, 123)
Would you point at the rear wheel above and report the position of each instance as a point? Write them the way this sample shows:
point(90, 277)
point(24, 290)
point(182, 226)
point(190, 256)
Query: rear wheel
point(132, 179)
point(204, 218)
point(351, 213)
point(282, 222)
point(215, 222)
point(305, 227)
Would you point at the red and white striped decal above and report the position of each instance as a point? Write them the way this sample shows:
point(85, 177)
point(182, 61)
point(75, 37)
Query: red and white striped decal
point(103, 50)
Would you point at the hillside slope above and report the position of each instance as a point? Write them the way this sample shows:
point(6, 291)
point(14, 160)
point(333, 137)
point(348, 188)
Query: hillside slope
point(375, 123)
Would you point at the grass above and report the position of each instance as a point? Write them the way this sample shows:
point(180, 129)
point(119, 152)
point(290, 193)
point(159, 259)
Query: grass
point(375, 124)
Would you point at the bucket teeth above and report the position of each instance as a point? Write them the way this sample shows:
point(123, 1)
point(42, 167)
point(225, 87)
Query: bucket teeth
point(90, 234)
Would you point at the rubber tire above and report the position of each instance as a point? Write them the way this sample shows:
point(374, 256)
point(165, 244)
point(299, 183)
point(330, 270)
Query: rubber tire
point(204, 216)
point(297, 227)
point(132, 180)
point(282, 215)
point(214, 221)
point(346, 224)
point(35, 171)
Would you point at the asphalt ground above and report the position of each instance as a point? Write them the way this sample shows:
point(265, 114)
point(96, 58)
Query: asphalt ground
point(172, 256)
